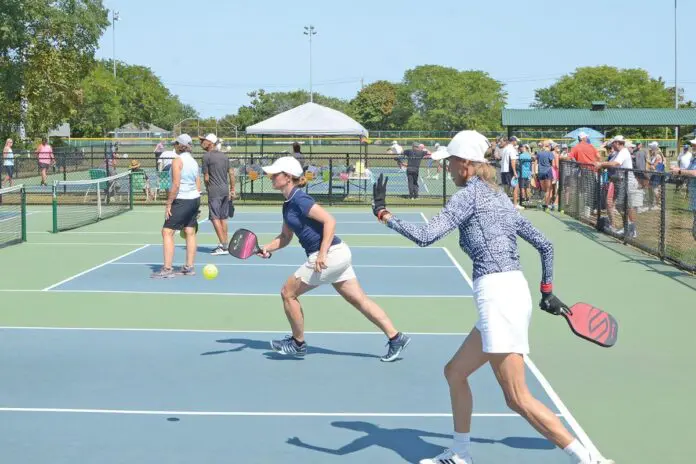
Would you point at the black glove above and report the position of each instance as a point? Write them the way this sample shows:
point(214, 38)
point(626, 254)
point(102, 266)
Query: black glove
point(379, 194)
point(551, 304)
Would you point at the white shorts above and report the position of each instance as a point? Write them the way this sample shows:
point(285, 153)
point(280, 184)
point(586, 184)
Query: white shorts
point(339, 267)
point(504, 305)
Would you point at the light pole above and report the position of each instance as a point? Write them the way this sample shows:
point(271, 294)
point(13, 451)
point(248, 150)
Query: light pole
point(114, 18)
point(310, 31)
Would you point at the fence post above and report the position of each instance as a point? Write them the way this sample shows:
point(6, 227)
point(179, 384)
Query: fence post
point(625, 206)
point(598, 197)
point(330, 181)
point(561, 170)
point(663, 216)
point(444, 182)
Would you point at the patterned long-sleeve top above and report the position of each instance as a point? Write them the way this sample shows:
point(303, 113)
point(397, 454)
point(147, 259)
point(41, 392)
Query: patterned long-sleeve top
point(488, 228)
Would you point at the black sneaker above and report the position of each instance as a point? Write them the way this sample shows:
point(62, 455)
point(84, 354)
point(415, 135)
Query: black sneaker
point(396, 346)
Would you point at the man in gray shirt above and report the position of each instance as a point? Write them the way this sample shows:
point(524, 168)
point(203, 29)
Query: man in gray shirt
point(219, 182)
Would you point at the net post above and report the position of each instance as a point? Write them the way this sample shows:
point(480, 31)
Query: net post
point(625, 207)
point(130, 190)
point(99, 205)
point(54, 207)
point(23, 195)
point(598, 196)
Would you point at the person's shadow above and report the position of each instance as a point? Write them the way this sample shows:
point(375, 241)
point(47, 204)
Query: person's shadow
point(409, 444)
point(241, 344)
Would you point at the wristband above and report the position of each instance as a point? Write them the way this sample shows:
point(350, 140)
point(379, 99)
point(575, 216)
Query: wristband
point(546, 288)
point(381, 214)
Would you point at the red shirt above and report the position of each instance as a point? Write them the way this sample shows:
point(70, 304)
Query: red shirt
point(584, 153)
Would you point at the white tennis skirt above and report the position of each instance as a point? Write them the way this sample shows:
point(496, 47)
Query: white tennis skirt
point(339, 267)
point(504, 305)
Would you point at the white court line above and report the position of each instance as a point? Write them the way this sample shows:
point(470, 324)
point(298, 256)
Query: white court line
point(275, 295)
point(342, 234)
point(577, 428)
point(424, 218)
point(94, 268)
point(211, 244)
point(247, 413)
point(137, 329)
point(134, 263)
point(459, 266)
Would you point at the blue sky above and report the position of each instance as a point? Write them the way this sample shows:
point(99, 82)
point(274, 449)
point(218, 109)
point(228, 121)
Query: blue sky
point(211, 53)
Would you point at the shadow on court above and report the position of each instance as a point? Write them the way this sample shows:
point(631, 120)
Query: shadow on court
point(652, 264)
point(409, 444)
point(264, 345)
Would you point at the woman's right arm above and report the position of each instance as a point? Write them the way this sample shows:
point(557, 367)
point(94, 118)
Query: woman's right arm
point(281, 241)
point(457, 211)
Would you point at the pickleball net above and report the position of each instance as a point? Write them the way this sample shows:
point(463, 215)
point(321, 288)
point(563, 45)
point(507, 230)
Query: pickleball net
point(77, 203)
point(13, 215)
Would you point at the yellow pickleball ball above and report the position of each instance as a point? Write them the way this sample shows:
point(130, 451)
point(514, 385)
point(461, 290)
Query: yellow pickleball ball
point(210, 271)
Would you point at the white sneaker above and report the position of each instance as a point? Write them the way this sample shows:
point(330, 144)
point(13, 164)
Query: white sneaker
point(448, 457)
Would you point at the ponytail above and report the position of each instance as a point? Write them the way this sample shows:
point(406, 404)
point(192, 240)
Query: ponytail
point(300, 181)
point(486, 173)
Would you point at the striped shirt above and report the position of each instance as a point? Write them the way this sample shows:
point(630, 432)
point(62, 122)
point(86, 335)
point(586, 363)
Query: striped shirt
point(488, 226)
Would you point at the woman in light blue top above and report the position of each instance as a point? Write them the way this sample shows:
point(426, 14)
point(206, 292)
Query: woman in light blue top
point(182, 209)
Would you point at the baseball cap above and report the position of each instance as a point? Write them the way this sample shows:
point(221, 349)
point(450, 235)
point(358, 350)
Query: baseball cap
point(469, 145)
point(582, 135)
point(618, 138)
point(210, 138)
point(184, 139)
point(692, 142)
point(286, 164)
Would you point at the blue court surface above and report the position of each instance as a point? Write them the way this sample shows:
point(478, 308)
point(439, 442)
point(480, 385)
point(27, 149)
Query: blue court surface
point(347, 223)
point(382, 271)
point(170, 396)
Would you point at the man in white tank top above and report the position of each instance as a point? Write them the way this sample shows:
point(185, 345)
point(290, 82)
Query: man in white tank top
point(182, 208)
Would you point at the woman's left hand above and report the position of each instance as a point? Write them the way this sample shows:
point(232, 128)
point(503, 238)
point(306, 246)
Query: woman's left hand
point(320, 263)
point(167, 211)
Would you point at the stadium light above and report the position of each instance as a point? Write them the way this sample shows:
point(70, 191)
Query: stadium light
point(114, 18)
point(310, 31)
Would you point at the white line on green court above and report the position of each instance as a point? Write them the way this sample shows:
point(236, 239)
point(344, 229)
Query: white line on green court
point(249, 413)
point(145, 329)
point(274, 295)
point(94, 268)
point(159, 232)
point(141, 263)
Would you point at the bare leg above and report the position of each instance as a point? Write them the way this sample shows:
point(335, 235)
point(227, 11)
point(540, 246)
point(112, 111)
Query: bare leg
point(290, 292)
point(351, 291)
point(190, 245)
point(168, 247)
point(468, 358)
point(509, 370)
point(220, 226)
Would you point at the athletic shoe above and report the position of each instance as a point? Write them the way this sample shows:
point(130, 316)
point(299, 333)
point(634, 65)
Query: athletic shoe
point(220, 250)
point(448, 457)
point(396, 346)
point(289, 347)
point(187, 270)
point(163, 274)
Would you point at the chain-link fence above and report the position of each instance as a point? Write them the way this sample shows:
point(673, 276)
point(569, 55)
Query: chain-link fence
point(646, 209)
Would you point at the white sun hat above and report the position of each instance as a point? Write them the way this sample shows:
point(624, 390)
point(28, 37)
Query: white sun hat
point(286, 164)
point(469, 145)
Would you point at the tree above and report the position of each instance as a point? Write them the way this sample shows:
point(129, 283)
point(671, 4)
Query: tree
point(136, 95)
point(447, 99)
point(46, 49)
point(374, 106)
point(620, 88)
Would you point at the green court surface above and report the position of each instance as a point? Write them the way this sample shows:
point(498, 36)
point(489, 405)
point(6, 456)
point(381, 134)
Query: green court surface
point(633, 400)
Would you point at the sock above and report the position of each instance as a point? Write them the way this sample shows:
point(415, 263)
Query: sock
point(578, 451)
point(296, 342)
point(395, 336)
point(460, 444)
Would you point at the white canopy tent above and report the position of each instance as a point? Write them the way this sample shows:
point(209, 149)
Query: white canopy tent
point(309, 119)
